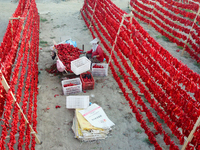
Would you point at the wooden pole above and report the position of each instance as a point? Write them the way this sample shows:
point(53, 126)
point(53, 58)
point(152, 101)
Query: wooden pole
point(7, 87)
point(93, 13)
point(122, 21)
point(195, 20)
point(191, 134)
point(14, 18)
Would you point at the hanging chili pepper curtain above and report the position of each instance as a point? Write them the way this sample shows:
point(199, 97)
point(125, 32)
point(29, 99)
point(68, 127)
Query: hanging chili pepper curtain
point(173, 20)
point(19, 57)
point(161, 74)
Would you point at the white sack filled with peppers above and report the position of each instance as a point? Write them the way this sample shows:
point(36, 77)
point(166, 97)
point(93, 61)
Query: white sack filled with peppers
point(67, 53)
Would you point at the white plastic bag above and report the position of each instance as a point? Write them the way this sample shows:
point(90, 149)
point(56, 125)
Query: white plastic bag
point(60, 65)
point(95, 115)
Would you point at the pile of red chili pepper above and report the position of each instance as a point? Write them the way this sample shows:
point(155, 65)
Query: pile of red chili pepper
point(97, 66)
point(53, 70)
point(69, 84)
point(87, 77)
point(67, 53)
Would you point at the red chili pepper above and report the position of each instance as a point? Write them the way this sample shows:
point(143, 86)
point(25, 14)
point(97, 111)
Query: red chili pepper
point(56, 95)
point(97, 66)
point(69, 84)
point(57, 106)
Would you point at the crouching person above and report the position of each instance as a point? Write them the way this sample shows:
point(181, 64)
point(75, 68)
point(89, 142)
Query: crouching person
point(95, 55)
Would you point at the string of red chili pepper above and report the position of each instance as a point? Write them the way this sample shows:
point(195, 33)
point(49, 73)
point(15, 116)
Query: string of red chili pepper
point(4, 126)
point(25, 100)
point(29, 116)
point(87, 15)
point(87, 24)
point(36, 56)
point(33, 89)
point(100, 37)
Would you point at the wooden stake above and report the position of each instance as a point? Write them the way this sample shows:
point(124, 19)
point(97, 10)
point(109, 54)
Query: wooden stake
point(190, 137)
point(7, 87)
point(16, 18)
point(122, 21)
point(195, 20)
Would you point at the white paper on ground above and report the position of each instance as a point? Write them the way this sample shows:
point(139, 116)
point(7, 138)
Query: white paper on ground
point(97, 117)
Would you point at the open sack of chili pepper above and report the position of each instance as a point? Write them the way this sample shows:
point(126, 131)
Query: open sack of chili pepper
point(67, 53)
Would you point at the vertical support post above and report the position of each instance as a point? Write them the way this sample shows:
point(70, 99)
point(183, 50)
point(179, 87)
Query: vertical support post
point(7, 87)
point(11, 21)
point(195, 20)
point(113, 47)
point(191, 134)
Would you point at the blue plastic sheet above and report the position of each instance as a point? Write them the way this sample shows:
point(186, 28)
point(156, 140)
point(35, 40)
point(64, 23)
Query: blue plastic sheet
point(71, 42)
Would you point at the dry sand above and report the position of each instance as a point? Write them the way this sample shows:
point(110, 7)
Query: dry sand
point(63, 21)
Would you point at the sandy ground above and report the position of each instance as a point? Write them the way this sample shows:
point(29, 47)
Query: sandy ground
point(63, 21)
